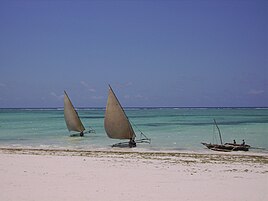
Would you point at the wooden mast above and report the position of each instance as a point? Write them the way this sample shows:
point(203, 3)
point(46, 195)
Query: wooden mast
point(218, 130)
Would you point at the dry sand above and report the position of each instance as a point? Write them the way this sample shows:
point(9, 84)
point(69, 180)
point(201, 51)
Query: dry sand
point(35, 174)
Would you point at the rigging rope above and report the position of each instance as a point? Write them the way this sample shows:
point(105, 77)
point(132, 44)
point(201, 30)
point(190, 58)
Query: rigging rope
point(141, 133)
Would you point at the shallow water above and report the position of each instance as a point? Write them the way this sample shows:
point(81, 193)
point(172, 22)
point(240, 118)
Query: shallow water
point(168, 128)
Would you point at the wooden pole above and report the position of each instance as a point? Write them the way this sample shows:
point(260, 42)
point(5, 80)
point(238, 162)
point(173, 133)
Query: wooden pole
point(218, 130)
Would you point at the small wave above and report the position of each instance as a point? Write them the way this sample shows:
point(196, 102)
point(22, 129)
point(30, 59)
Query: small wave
point(13, 139)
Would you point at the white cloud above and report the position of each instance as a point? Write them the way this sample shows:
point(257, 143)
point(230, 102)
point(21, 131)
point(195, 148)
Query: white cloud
point(128, 84)
point(127, 96)
point(97, 97)
point(255, 92)
point(59, 97)
point(123, 85)
point(138, 96)
point(86, 85)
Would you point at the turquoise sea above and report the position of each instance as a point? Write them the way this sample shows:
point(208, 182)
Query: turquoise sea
point(170, 129)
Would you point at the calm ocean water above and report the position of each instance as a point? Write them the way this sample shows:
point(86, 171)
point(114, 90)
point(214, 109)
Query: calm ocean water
point(168, 128)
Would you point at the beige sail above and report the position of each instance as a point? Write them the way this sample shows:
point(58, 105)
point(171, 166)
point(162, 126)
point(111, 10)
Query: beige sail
point(116, 123)
point(72, 120)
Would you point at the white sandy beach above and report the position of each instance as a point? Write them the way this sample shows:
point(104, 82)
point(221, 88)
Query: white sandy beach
point(99, 175)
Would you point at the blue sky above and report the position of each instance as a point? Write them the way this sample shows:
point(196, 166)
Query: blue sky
point(181, 53)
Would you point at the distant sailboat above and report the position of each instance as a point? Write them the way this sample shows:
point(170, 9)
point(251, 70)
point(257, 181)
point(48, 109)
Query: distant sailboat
point(71, 117)
point(117, 125)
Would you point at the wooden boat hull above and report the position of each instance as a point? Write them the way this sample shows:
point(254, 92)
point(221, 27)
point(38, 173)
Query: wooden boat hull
point(226, 147)
point(238, 145)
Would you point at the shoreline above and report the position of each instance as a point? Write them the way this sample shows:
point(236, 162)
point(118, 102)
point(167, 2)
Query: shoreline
point(168, 156)
point(127, 151)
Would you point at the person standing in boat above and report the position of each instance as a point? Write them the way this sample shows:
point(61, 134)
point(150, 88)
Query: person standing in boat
point(243, 143)
point(82, 134)
point(132, 143)
point(234, 142)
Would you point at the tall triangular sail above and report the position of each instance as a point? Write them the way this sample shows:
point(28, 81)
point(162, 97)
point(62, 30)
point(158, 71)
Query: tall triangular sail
point(116, 123)
point(72, 119)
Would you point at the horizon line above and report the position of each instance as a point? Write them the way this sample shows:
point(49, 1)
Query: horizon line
point(139, 107)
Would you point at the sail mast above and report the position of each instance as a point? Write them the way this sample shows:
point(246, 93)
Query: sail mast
point(218, 130)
